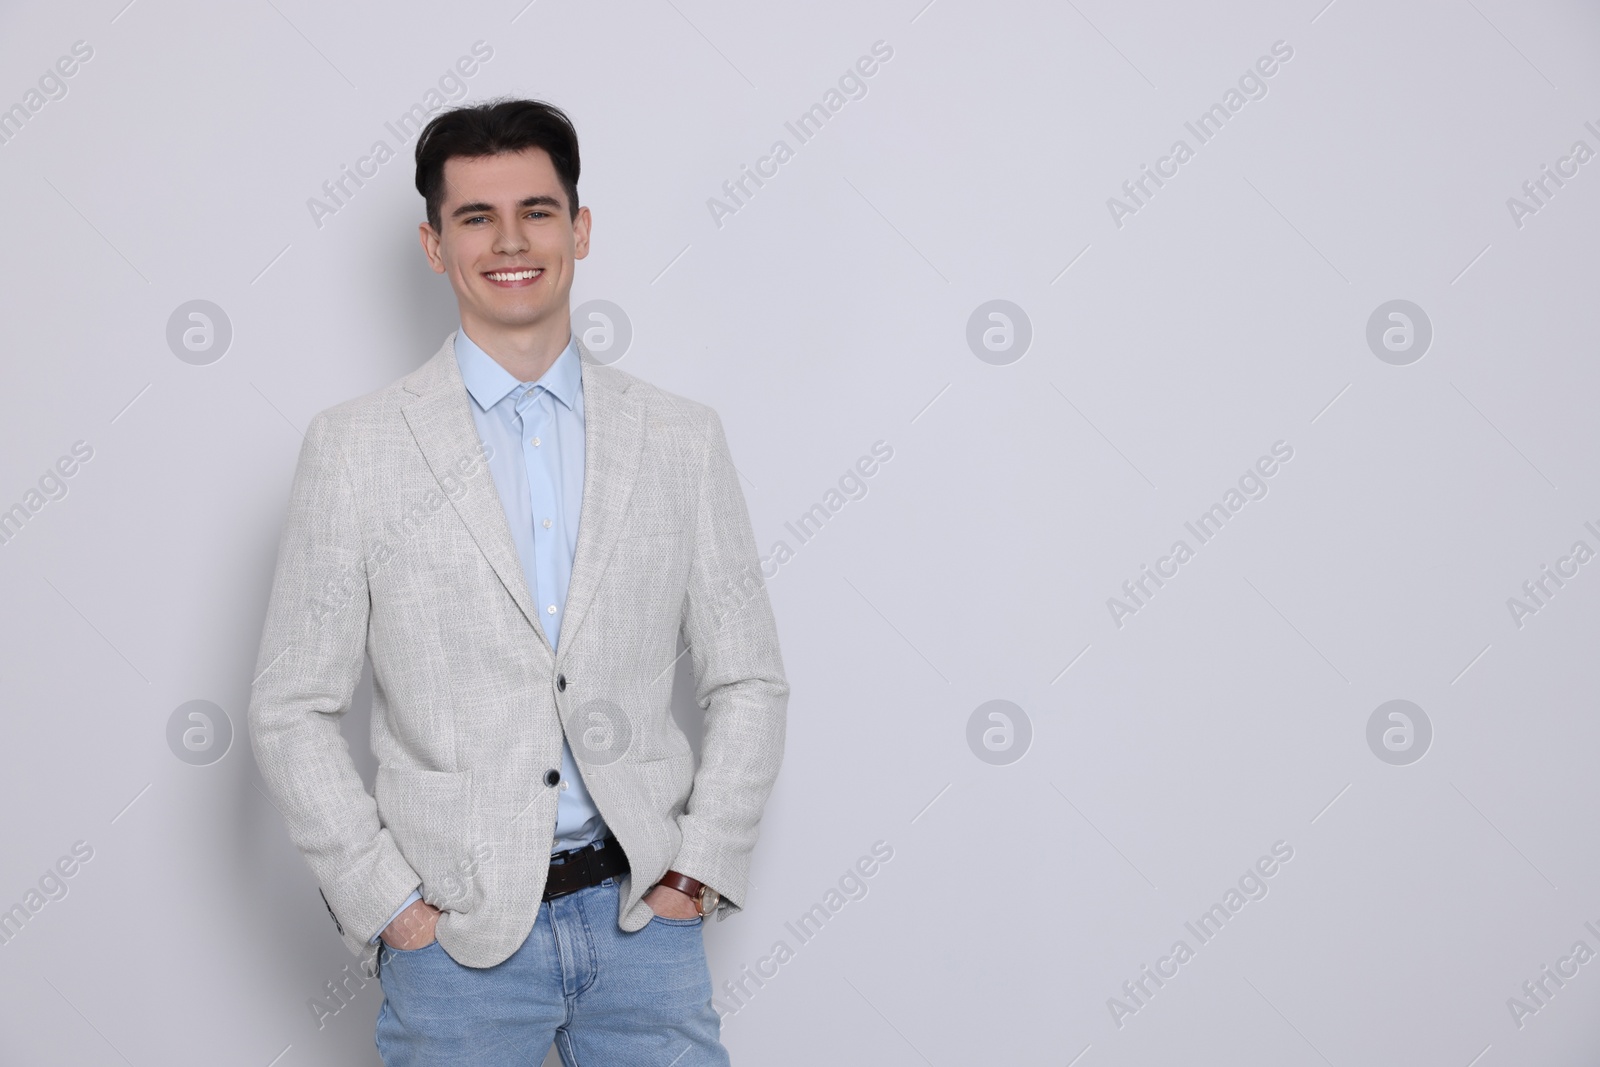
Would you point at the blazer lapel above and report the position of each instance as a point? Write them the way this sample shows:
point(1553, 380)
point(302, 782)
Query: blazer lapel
point(613, 442)
point(441, 422)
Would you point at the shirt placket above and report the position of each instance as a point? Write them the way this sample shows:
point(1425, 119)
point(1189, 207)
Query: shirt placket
point(539, 445)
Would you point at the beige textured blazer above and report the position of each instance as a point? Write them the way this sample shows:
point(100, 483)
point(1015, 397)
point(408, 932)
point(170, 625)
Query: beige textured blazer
point(396, 547)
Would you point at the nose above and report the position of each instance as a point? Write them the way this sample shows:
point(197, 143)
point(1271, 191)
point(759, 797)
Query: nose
point(509, 239)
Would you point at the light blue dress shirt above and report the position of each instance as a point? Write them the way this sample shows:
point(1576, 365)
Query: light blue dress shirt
point(535, 433)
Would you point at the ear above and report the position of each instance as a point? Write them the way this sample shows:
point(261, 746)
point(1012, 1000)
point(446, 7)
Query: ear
point(580, 233)
point(430, 247)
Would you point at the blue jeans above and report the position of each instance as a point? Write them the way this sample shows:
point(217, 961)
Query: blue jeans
point(607, 998)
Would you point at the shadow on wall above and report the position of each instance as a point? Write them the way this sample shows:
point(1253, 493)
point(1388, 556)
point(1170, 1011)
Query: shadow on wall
point(423, 300)
point(689, 715)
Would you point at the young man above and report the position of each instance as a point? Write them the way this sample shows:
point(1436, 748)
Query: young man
point(517, 535)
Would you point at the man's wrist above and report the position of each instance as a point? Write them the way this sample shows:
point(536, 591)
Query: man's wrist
point(415, 896)
point(405, 930)
point(705, 898)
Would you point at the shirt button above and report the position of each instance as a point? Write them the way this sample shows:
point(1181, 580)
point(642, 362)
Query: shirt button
point(534, 442)
point(563, 787)
point(551, 777)
point(547, 524)
point(551, 610)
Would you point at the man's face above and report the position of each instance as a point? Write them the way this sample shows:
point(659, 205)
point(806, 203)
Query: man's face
point(503, 218)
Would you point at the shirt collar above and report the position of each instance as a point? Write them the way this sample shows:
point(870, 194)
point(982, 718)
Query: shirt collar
point(489, 382)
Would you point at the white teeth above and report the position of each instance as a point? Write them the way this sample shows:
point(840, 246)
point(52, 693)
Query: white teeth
point(512, 276)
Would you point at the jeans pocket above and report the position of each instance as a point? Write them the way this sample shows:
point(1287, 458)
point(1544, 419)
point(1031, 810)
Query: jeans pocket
point(664, 921)
point(408, 953)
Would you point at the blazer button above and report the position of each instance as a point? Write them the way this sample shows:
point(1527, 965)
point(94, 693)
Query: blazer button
point(561, 683)
point(552, 777)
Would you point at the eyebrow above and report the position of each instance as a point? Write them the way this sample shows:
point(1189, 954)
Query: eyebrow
point(480, 207)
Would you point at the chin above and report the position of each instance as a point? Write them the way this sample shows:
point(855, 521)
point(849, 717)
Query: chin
point(521, 316)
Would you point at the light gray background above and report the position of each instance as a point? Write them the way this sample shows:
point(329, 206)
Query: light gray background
point(829, 313)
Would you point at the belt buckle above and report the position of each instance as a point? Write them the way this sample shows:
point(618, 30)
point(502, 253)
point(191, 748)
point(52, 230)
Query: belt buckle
point(585, 865)
point(567, 865)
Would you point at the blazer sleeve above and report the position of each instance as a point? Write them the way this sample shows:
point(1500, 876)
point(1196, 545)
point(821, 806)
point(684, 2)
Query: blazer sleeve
point(312, 650)
point(739, 680)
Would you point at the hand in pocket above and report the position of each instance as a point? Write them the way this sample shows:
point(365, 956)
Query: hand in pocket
point(413, 928)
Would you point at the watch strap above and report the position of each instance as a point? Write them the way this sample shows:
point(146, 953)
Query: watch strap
point(689, 887)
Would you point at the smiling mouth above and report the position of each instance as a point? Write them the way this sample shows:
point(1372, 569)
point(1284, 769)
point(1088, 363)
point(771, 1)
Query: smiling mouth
point(514, 278)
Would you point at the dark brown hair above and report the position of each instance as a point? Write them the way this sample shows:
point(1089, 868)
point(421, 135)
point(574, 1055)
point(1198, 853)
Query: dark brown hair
point(490, 129)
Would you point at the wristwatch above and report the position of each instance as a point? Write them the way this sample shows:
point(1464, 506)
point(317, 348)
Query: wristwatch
point(705, 898)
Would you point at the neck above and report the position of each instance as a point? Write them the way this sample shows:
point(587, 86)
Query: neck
point(526, 351)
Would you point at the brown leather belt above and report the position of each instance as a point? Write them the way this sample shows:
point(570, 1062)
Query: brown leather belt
point(582, 867)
